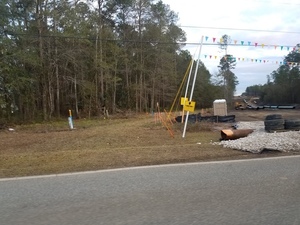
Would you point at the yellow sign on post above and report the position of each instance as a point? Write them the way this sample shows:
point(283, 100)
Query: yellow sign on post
point(184, 101)
point(189, 106)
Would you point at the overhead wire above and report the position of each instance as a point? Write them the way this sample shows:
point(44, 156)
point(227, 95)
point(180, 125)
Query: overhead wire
point(242, 29)
point(141, 41)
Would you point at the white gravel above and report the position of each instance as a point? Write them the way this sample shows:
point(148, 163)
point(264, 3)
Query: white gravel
point(260, 140)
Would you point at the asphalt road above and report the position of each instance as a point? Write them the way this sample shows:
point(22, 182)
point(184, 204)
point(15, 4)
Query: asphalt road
point(265, 191)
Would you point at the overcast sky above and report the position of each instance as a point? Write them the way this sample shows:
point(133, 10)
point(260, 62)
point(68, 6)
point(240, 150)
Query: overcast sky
point(272, 25)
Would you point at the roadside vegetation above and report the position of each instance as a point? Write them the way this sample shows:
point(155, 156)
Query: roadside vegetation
point(51, 148)
point(111, 64)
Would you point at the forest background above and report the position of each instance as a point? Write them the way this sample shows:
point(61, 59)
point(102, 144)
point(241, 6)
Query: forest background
point(110, 56)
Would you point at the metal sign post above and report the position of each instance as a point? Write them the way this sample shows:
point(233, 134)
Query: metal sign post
point(193, 86)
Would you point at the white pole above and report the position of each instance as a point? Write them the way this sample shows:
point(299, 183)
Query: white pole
point(193, 86)
point(187, 85)
point(189, 78)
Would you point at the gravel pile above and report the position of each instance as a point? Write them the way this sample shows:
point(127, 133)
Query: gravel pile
point(261, 140)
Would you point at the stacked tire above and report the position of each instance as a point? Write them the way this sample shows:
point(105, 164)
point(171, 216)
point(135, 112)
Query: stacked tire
point(292, 124)
point(274, 122)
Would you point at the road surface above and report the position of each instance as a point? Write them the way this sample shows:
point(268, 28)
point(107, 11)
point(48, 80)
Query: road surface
point(264, 191)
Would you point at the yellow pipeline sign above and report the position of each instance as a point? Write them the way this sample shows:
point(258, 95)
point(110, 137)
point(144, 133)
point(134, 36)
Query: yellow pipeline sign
point(189, 106)
point(184, 101)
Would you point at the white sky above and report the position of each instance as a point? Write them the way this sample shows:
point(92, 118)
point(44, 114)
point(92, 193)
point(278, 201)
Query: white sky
point(272, 23)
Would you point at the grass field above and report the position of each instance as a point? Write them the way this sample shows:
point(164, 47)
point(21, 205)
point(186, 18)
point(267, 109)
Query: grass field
point(116, 142)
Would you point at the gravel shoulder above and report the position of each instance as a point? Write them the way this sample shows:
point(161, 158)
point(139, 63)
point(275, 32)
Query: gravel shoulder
point(260, 140)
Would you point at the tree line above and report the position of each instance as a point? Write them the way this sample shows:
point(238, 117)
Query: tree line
point(91, 56)
point(115, 55)
point(283, 84)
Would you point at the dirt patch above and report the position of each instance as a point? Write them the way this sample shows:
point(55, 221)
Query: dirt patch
point(117, 142)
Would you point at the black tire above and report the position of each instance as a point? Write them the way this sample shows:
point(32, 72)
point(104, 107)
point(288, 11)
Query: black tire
point(292, 124)
point(273, 117)
point(226, 119)
point(275, 124)
point(178, 119)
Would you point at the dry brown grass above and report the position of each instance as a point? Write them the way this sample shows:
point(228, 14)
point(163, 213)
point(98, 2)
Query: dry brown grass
point(112, 143)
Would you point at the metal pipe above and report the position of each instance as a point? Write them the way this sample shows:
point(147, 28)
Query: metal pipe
point(235, 134)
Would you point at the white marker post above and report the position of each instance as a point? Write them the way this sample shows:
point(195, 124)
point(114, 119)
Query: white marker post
point(193, 86)
point(70, 120)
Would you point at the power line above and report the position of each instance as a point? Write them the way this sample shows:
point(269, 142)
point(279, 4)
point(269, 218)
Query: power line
point(281, 3)
point(243, 29)
point(152, 42)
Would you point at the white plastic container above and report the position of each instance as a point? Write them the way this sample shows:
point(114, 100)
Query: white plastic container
point(220, 107)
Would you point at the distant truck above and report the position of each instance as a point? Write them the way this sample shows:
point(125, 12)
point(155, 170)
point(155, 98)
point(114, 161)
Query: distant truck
point(245, 105)
point(239, 106)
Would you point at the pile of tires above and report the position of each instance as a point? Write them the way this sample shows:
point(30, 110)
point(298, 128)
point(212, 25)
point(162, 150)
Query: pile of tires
point(274, 122)
point(292, 124)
